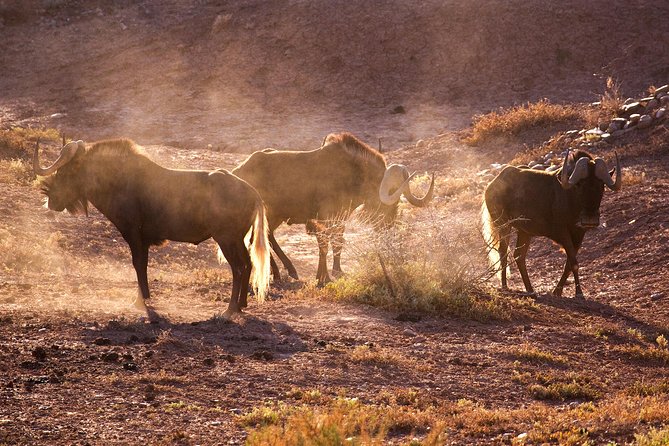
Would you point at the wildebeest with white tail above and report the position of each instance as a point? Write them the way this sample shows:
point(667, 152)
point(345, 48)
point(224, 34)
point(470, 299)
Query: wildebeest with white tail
point(150, 204)
point(321, 187)
point(561, 206)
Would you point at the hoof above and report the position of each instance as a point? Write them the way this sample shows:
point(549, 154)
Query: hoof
point(529, 294)
point(337, 273)
point(322, 283)
point(579, 296)
point(140, 304)
point(557, 292)
point(294, 275)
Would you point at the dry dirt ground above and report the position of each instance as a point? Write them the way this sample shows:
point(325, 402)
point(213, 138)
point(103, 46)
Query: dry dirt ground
point(78, 367)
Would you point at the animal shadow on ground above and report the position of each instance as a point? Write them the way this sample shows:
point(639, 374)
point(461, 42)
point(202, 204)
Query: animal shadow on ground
point(242, 335)
point(591, 307)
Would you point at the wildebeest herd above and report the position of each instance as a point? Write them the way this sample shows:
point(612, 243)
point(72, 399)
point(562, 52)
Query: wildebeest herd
point(150, 204)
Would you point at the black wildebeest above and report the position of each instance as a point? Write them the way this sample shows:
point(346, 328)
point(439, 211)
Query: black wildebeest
point(561, 206)
point(150, 204)
point(321, 187)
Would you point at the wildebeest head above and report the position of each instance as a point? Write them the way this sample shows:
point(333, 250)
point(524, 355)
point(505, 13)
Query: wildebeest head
point(585, 177)
point(63, 185)
point(394, 184)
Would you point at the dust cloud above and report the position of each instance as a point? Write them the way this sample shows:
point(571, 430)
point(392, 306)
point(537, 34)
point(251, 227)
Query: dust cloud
point(246, 75)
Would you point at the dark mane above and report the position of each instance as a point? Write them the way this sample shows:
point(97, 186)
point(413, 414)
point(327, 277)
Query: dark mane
point(116, 149)
point(355, 147)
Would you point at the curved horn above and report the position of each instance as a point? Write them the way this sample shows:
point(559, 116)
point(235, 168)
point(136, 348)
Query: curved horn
point(396, 177)
point(66, 154)
point(580, 171)
point(419, 202)
point(602, 172)
point(564, 173)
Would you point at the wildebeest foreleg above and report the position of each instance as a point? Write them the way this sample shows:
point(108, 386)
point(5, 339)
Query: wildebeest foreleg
point(140, 261)
point(568, 269)
point(292, 272)
point(520, 254)
point(276, 273)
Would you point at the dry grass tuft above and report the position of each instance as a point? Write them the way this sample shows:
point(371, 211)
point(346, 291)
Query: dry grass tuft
point(528, 353)
point(376, 356)
point(563, 391)
point(19, 142)
point(16, 171)
point(425, 268)
point(348, 421)
point(344, 421)
point(512, 121)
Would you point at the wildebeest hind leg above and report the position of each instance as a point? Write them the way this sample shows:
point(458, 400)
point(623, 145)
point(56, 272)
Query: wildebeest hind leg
point(337, 247)
point(503, 259)
point(322, 273)
point(519, 255)
point(233, 259)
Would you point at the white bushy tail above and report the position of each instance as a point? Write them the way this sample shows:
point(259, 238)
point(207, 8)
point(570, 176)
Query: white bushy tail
point(260, 254)
point(491, 237)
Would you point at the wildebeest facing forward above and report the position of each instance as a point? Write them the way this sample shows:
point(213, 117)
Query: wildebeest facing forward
point(321, 187)
point(561, 206)
point(150, 204)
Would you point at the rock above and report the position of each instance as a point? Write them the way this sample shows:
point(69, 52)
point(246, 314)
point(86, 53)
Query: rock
point(652, 105)
point(420, 144)
point(656, 296)
point(607, 136)
point(102, 341)
point(236, 411)
point(634, 107)
point(398, 110)
point(593, 134)
point(616, 124)
point(661, 91)
point(30, 365)
point(634, 119)
point(130, 366)
point(532, 164)
point(409, 332)
point(660, 113)
point(603, 126)
point(664, 100)
point(110, 357)
point(553, 168)
point(646, 99)
point(645, 121)
point(628, 101)
point(539, 167)
point(39, 353)
point(262, 355)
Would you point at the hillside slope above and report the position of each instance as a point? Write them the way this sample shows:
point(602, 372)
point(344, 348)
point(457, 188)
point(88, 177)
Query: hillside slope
point(248, 74)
